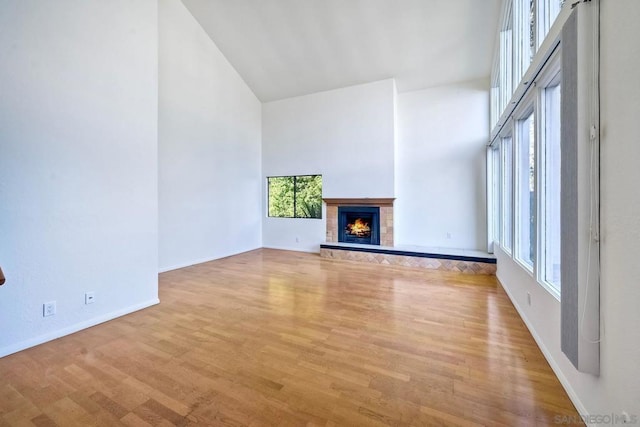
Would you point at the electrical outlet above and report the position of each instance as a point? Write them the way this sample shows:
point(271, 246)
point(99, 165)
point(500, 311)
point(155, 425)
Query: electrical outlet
point(297, 239)
point(448, 235)
point(48, 308)
point(528, 298)
point(89, 298)
point(626, 419)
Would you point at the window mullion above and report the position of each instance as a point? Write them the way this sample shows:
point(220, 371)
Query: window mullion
point(295, 196)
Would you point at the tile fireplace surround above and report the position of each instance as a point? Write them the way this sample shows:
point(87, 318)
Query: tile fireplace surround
point(386, 217)
point(387, 253)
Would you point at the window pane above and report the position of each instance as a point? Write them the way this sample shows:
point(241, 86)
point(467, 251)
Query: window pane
point(308, 196)
point(526, 191)
point(496, 213)
point(551, 197)
point(295, 196)
point(507, 191)
point(281, 196)
point(547, 12)
point(495, 107)
point(522, 42)
point(506, 61)
point(532, 29)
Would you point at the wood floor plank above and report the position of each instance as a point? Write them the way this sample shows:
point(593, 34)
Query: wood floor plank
point(291, 339)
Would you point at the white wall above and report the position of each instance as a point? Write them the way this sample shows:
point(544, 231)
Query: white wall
point(542, 318)
point(440, 173)
point(210, 192)
point(78, 164)
point(620, 174)
point(347, 135)
point(617, 388)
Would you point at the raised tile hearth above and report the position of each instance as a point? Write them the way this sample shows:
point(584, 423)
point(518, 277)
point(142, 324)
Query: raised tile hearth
point(461, 261)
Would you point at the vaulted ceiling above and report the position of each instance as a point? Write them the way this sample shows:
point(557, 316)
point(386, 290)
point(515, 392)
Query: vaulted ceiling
point(285, 48)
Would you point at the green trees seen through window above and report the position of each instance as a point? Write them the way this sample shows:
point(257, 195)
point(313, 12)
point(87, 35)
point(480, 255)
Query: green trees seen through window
point(295, 196)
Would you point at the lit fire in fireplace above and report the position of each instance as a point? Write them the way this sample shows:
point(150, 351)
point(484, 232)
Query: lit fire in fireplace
point(359, 228)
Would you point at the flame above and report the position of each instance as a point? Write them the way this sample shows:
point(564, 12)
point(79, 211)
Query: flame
point(359, 228)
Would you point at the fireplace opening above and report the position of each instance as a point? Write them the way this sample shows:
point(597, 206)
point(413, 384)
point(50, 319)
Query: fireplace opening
point(359, 224)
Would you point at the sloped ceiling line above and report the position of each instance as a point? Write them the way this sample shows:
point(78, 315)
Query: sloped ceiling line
point(286, 48)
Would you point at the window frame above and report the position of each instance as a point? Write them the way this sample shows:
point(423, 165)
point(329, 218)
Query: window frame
point(547, 12)
point(550, 76)
point(526, 109)
point(534, 57)
point(521, 39)
point(294, 196)
point(506, 210)
point(496, 191)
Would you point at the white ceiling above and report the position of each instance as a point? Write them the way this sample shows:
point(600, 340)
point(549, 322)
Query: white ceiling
point(285, 48)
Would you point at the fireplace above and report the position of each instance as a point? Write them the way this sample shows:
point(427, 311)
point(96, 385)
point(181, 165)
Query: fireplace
point(381, 227)
point(359, 224)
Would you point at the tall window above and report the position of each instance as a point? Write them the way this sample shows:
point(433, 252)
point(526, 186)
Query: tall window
point(495, 100)
point(295, 196)
point(523, 27)
point(550, 188)
point(528, 170)
point(496, 193)
point(506, 153)
point(547, 12)
point(506, 64)
point(532, 29)
point(524, 37)
point(525, 186)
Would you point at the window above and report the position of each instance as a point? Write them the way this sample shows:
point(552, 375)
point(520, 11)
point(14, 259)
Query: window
point(495, 108)
point(525, 188)
point(550, 187)
point(495, 208)
point(506, 80)
point(522, 52)
point(502, 80)
point(524, 25)
point(547, 13)
point(506, 154)
point(295, 196)
point(532, 29)
point(506, 61)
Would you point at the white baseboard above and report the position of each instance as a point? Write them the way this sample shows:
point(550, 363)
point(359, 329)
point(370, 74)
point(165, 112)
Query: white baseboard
point(186, 264)
point(202, 261)
point(582, 410)
point(50, 336)
point(287, 248)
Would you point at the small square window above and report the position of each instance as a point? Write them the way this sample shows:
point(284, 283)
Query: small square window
point(297, 196)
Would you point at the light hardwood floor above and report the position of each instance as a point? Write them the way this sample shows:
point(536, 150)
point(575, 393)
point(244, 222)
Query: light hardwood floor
point(284, 338)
